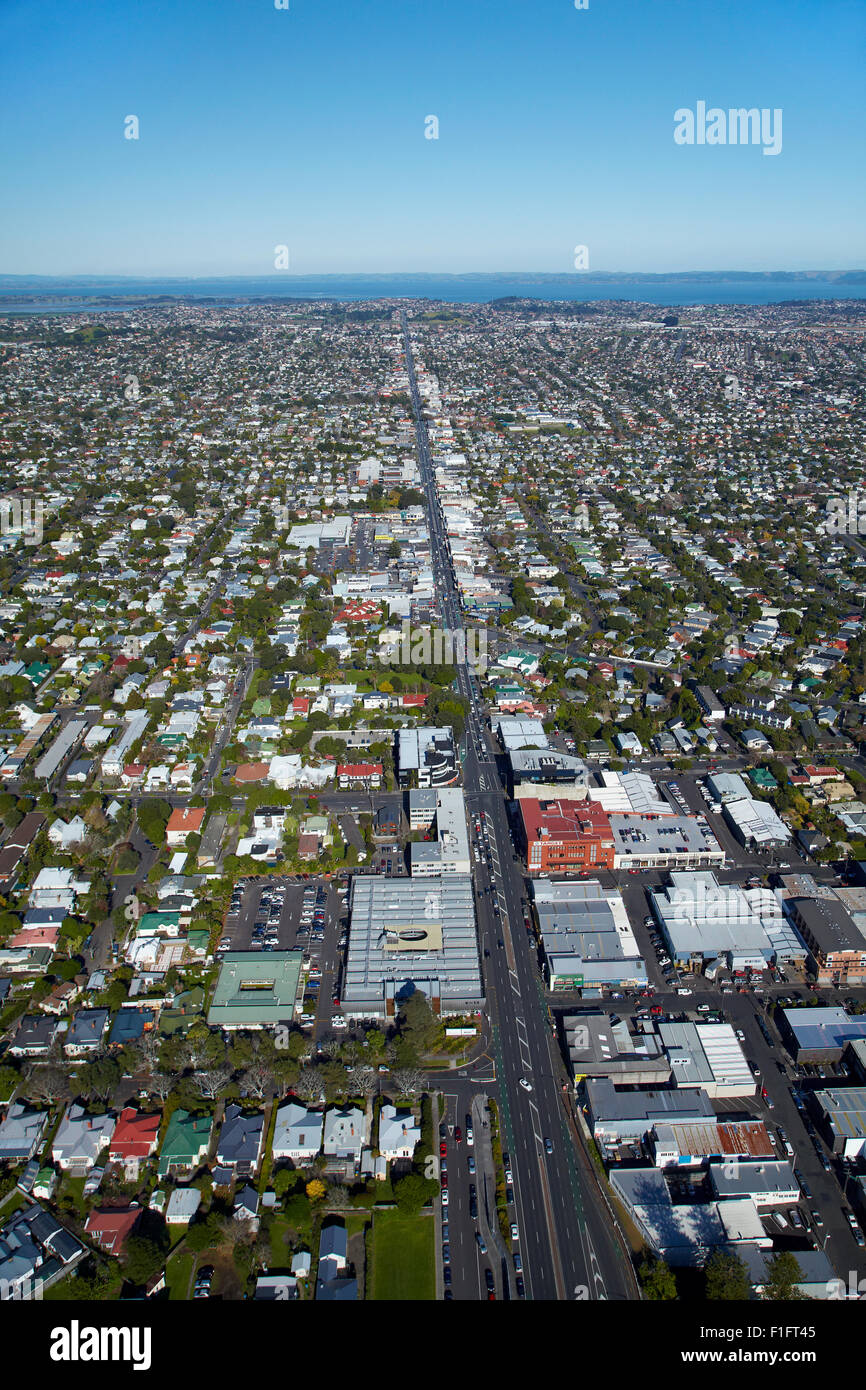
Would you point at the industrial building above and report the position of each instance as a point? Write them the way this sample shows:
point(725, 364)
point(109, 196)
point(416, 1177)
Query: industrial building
point(819, 1035)
point(615, 1116)
point(60, 749)
point(702, 920)
point(755, 824)
point(707, 1055)
point(547, 772)
point(840, 1113)
point(412, 934)
point(596, 1046)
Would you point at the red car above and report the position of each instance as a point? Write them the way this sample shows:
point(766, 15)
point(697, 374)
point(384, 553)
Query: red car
point(458, 1133)
point(443, 1179)
point(443, 1149)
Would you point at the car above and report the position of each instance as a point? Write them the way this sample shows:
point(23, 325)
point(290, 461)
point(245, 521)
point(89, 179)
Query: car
point(779, 1220)
point(527, 1085)
point(446, 1253)
point(548, 1146)
point(852, 1220)
point(443, 1149)
point(488, 1277)
point(458, 1134)
point(471, 1162)
point(514, 1232)
point(519, 1286)
point(482, 1243)
point(518, 1263)
point(795, 1218)
point(817, 1218)
point(443, 1167)
point(444, 1195)
point(740, 1034)
point(446, 1276)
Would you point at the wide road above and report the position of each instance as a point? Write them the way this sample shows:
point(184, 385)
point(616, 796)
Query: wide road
point(568, 1246)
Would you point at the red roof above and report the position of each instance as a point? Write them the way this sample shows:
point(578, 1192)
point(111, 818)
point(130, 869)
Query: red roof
point(186, 820)
point(111, 1229)
point(409, 700)
point(301, 705)
point(359, 769)
point(251, 772)
point(135, 1134)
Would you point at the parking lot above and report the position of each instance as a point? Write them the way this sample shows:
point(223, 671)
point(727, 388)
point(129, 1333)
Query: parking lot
point(287, 914)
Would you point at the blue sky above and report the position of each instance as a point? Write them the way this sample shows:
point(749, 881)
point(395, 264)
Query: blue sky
point(261, 127)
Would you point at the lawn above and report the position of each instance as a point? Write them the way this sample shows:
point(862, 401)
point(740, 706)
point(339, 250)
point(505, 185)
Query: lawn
point(402, 1257)
point(178, 1275)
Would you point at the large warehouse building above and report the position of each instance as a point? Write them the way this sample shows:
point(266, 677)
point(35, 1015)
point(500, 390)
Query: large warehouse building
point(412, 934)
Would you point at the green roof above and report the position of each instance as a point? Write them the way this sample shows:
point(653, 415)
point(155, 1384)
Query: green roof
point(255, 990)
point(186, 1139)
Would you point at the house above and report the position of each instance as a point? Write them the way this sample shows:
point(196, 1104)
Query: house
point(186, 1142)
point(344, 1133)
point(35, 1251)
point(240, 1141)
point(130, 1023)
point(184, 821)
point(275, 1287)
point(66, 833)
point(34, 1036)
point(110, 1228)
point(85, 1032)
point(297, 1133)
point(135, 1138)
point(182, 1206)
point(80, 1139)
point(333, 1283)
point(21, 1133)
point(398, 1133)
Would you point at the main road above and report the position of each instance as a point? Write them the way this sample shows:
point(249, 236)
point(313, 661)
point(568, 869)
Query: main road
point(567, 1242)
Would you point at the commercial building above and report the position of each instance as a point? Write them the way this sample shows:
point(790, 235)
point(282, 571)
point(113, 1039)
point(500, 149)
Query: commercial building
point(837, 947)
point(449, 852)
point(540, 773)
point(586, 935)
point(683, 1233)
point(256, 991)
point(691, 1144)
point(412, 934)
point(769, 1183)
point(676, 842)
point(426, 757)
point(566, 836)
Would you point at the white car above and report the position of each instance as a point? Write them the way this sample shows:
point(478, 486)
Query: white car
point(444, 1195)
point(514, 1233)
point(527, 1086)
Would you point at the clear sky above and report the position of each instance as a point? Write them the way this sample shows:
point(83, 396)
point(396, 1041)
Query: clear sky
point(306, 128)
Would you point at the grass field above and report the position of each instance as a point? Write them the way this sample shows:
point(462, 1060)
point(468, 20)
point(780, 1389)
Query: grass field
point(178, 1275)
point(402, 1259)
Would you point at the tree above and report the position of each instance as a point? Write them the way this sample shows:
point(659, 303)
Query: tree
point(201, 1235)
point(408, 1081)
point(210, 1082)
point(144, 1255)
point(656, 1279)
point(412, 1192)
point(316, 1189)
point(308, 1086)
point(49, 1083)
point(783, 1276)
point(727, 1278)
